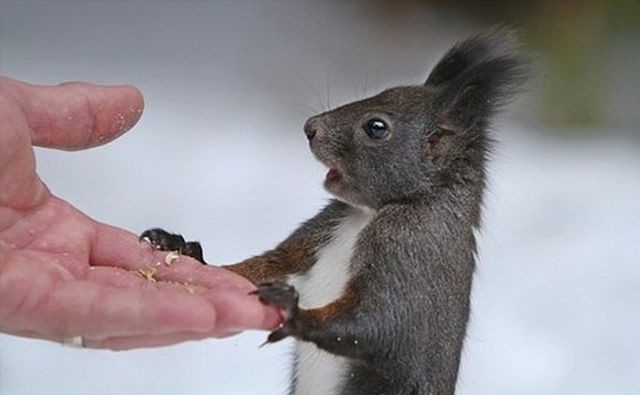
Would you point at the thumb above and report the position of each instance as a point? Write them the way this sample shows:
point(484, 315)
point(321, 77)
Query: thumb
point(75, 115)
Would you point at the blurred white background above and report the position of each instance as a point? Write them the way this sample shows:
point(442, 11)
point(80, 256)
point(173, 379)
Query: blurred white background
point(219, 156)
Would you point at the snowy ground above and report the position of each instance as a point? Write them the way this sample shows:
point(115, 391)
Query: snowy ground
point(219, 155)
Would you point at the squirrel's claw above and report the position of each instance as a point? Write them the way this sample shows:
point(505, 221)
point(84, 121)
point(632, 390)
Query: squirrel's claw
point(285, 297)
point(162, 240)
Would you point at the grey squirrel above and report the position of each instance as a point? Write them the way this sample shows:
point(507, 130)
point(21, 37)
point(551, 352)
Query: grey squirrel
point(376, 286)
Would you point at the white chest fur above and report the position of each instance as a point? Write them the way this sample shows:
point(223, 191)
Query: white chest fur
point(319, 372)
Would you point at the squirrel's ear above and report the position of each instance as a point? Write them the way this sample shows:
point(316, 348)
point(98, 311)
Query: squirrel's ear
point(476, 78)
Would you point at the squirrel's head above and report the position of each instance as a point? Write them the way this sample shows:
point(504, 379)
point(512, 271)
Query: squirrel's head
point(412, 141)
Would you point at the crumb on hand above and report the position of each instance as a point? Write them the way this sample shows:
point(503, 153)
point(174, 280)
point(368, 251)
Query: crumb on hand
point(171, 257)
point(189, 288)
point(147, 274)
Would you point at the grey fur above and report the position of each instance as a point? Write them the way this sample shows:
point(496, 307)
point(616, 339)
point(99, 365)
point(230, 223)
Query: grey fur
point(413, 264)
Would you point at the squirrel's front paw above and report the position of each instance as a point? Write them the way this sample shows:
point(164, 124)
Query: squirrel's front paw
point(285, 297)
point(162, 240)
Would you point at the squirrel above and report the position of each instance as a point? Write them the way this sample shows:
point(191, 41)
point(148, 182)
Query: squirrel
point(376, 287)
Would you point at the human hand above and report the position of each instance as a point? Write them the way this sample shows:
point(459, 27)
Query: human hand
point(62, 274)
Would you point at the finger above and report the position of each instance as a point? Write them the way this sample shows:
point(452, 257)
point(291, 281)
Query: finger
point(82, 308)
point(131, 342)
point(76, 115)
point(122, 278)
point(38, 299)
point(142, 279)
point(120, 343)
point(59, 309)
point(236, 310)
point(116, 247)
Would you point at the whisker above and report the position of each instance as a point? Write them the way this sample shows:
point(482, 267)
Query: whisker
point(366, 80)
point(328, 92)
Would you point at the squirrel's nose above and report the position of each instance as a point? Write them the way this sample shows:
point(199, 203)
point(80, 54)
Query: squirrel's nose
point(310, 129)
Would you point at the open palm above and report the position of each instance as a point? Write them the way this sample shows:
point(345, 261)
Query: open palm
point(62, 274)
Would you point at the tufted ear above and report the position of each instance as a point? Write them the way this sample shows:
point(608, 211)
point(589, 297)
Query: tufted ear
point(475, 78)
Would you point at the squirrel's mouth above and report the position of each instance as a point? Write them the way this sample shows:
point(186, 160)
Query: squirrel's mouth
point(333, 175)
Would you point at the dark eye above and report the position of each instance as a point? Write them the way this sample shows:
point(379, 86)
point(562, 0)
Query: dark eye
point(376, 129)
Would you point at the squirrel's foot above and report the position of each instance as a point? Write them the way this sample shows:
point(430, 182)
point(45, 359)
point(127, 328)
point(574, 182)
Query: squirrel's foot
point(283, 296)
point(165, 241)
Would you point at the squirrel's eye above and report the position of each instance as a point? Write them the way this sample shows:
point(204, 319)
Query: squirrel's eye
point(376, 129)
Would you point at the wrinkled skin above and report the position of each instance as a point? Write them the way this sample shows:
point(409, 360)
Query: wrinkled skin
point(64, 274)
